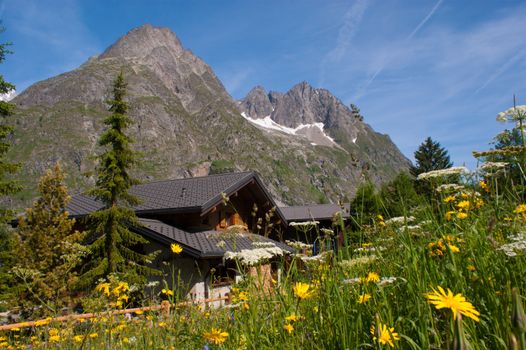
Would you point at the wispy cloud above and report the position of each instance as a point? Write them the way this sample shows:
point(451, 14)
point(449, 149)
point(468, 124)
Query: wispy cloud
point(351, 23)
point(507, 65)
point(424, 21)
point(408, 38)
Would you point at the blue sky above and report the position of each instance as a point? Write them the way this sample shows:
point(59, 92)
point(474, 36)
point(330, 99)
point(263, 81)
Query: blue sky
point(416, 68)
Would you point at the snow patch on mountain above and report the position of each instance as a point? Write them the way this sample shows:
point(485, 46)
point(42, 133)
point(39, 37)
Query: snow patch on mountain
point(313, 132)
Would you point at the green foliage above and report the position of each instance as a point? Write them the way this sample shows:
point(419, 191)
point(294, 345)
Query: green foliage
point(7, 261)
point(220, 166)
point(48, 250)
point(399, 195)
point(366, 204)
point(430, 156)
point(114, 248)
point(7, 186)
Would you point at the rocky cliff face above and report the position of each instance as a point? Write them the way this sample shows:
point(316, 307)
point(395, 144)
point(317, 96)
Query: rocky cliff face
point(186, 124)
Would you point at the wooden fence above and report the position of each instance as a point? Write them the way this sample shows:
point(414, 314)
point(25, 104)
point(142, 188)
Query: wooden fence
point(164, 308)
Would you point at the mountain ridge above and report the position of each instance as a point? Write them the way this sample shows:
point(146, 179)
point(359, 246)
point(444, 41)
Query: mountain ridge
point(187, 124)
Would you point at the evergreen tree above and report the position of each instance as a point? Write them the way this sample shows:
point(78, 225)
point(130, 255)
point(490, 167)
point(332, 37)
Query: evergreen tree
point(430, 156)
point(48, 249)
point(399, 195)
point(7, 186)
point(114, 246)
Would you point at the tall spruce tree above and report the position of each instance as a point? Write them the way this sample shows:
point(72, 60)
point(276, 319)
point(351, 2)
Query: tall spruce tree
point(430, 156)
point(48, 249)
point(7, 186)
point(114, 248)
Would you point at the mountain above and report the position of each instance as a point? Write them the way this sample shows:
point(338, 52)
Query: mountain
point(186, 124)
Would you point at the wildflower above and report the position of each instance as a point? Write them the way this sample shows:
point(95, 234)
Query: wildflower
point(162, 324)
point(122, 287)
point(168, 292)
point(457, 303)
point(54, 338)
point(362, 299)
point(292, 318)
point(484, 185)
point(462, 215)
point(449, 215)
point(289, 328)
point(443, 172)
point(372, 277)
point(471, 268)
point(301, 290)
point(384, 335)
point(453, 248)
point(521, 208)
point(176, 248)
point(216, 336)
point(93, 335)
point(515, 113)
point(103, 288)
point(464, 205)
point(450, 199)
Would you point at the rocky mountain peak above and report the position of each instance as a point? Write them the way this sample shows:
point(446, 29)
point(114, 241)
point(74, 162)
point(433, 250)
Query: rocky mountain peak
point(257, 103)
point(142, 41)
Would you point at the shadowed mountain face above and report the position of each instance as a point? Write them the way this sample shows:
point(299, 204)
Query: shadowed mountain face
point(186, 124)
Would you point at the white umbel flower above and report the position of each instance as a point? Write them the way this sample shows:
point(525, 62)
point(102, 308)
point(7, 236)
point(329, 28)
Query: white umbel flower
point(456, 170)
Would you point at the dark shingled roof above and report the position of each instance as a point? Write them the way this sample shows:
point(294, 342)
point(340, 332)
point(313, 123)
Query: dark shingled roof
point(312, 212)
point(196, 194)
point(202, 244)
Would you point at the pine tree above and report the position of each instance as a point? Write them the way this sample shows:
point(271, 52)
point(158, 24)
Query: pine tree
point(48, 249)
point(113, 250)
point(7, 186)
point(430, 156)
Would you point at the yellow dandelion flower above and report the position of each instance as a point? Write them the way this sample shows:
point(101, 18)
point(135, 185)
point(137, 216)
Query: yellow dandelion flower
point(103, 288)
point(301, 290)
point(362, 299)
point(457, 303)
point(521, 208)
point(93, 335)
point(462, 215)
point(78, 338)
point(163, 324)
point(53, 331)
point(372, 277)
point(176, 248)
point(484, 185)
point(54, 338)
point(167, 292)
point(384, 335)
point(289, 328)
point(464, 205)
point(449, 199)
point(292, 318)
point(139, 312)
point(449, 215)
point(453, 248)
point(216, 336)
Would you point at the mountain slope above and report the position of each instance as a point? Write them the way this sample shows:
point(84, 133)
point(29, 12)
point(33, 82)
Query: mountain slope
point(187, 124)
